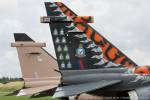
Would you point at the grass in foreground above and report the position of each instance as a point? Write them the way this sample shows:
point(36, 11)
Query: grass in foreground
point(10, 87)
point(24, 98)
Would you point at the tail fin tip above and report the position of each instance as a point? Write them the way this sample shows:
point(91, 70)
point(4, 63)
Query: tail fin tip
point(22, 37)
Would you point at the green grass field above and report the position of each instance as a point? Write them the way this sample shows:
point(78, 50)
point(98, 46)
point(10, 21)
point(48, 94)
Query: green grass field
point(23, 98)
point(12, 86)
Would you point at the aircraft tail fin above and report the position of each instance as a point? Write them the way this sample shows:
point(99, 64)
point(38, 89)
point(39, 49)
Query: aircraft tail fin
point(110, 52)
point(37, 66)
point(74, 49)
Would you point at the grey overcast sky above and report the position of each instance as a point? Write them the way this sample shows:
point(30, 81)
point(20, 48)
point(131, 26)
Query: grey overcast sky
point(123, 22)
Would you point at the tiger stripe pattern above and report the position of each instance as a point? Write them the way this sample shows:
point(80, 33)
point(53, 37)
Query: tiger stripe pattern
point(109, 51)
point(83, 19)
point(69, 41)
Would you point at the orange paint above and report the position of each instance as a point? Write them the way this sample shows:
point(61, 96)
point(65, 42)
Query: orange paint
point(97, 37)
point(104, 48)
point(78, 19)
point(83, 19)
point(63, 9)
point(142, 70)
point(87, 17)
point(89, 32)
point(127, 64)
point(68, 13)
point(131, 65)
point(118, 61)
point(82, 28)
point(112, 53)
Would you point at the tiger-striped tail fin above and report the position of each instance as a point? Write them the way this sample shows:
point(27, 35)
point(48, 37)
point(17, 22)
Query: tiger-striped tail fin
point(109, 51)
point(74, 50)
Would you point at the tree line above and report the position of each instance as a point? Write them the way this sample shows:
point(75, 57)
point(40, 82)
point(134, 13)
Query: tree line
point(5, 80)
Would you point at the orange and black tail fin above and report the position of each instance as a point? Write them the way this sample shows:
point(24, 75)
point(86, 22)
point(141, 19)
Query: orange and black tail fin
point(110, 52)
point(74, 50)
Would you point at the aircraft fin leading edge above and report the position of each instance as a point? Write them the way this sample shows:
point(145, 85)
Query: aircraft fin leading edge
point(37, 66)
point(110, 52)
point(74, 50)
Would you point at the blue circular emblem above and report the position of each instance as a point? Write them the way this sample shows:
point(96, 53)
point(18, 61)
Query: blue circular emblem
point(80, 52)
